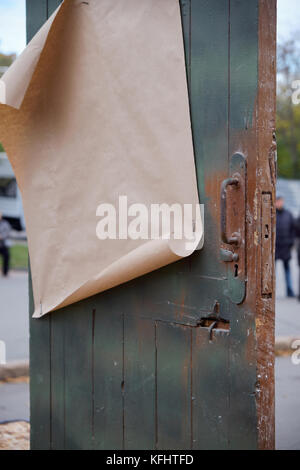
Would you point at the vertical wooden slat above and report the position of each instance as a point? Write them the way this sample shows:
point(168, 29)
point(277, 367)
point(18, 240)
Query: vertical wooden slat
point(243, 52)
point(209, 110)
point(210, 389)
point(57, 335)
point(185, 6)
point(243, 71)
point(52, 5)
point(40, 380)
point(78, 376)
point(108, 337)
point(265, 319)
point(40, 351)
point(139, 383)
point(36, 15)
point(174, 429)
point(58, 393)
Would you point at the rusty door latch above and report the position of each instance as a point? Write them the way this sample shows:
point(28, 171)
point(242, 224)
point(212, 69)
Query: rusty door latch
point(233, 227)
point(235, 238)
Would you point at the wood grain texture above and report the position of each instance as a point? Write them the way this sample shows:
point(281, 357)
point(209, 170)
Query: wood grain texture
point(134, 367)
point(108, 375)
point(52, 5)
point(40, 381)
point(40, 342)
point(174, 428)
point(139, 383)
point(211, 381)
point(267, 152)
point(58, 382)
point(243, 89)
point(78, 377)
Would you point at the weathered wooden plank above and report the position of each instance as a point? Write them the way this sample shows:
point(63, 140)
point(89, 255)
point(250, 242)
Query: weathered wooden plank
point(209, 110)
point(242, 137)
point(36, 15)
point(52, 5)
point(266, 138)
point(243, 67)
point(99, 403)
point(108, 376)
point(40, 356)
point(79, 398)
point(57, 386)
point(40, 380)
point(174, 427)
point(139, 383)
point(211, 381)
point(208, 284)
point(185, 7)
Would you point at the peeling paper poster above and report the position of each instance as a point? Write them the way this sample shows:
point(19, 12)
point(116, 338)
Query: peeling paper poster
point(95, 121)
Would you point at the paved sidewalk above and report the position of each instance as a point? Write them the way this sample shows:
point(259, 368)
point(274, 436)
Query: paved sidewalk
point(287, 375)
point(14, 319)
point(14, 397)
point(14, 311)
point(287, 322)
point(287, 404)
point(14, 402)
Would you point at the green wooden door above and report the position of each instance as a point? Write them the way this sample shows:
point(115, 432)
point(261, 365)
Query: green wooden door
point(182, 358)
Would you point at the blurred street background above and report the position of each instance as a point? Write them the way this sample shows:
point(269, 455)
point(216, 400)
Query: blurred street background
point(287, 374)
point(14, 317)
point(14, 395)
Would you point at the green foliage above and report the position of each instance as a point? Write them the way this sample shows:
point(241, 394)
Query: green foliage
point(288, 114)
point(288, 139)
point(6, 60)
point(18, 257)
point(1, 148)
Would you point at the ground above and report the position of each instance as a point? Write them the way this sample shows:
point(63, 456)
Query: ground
point(287, 374)
point(14, 436)
point(19, 256)
point(14, 401)
point(287, 404)
point(14, 397)
point(14, 321)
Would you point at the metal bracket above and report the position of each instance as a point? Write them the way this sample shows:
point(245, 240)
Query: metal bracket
point(233, 227)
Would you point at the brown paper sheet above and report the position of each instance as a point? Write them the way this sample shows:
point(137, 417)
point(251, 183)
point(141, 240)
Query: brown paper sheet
point(97, 108)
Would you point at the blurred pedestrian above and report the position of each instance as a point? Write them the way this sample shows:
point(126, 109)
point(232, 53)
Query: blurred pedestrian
point(285, 238)
point(298, 249)
point(5, 229)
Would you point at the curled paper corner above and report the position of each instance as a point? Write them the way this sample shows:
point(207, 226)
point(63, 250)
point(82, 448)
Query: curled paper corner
point(143, 260)
point(75, 147)
point(192, 236)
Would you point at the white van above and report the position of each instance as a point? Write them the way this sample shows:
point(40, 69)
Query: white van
point(10, 198)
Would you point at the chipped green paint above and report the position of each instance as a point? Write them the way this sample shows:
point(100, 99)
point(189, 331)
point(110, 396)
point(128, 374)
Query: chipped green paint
point(133, 367)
